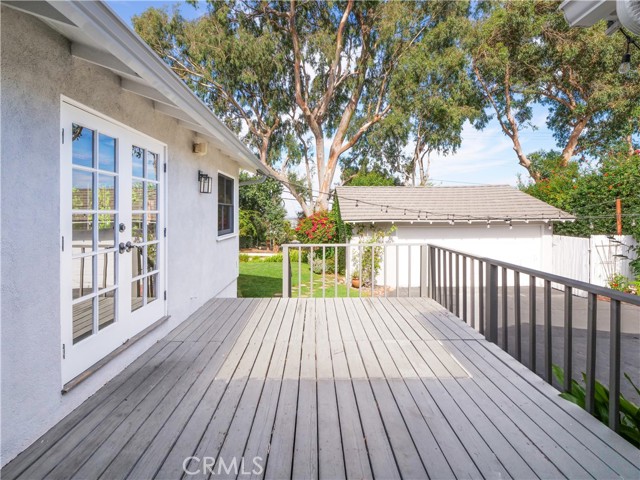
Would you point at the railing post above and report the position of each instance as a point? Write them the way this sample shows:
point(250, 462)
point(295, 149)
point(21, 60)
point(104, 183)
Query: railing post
point(592, 329)
point(423, 270)
point(286, 273)
point(614, 366)
point(491, 303)
point(432, 271)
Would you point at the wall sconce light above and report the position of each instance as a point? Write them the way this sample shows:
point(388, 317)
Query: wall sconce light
point(205, 182)
point(200, 148)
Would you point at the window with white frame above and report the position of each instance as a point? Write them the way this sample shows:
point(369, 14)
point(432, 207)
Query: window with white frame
point(225, 205)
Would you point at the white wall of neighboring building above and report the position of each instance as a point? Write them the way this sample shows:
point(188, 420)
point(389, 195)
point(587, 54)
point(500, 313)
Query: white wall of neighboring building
point(528, 245)
point(36, 69)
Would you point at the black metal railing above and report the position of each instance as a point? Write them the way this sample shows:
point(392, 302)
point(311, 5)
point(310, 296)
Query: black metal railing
point(458, 279)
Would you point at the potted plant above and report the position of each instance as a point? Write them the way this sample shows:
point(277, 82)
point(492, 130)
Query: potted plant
point(355, 280)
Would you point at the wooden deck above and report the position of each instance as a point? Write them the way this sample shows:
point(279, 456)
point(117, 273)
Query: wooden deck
point(335, 388)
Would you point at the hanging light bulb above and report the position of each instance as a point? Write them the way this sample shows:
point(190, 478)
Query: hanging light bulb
point(633, 222)
point(591, 225)
point(488, 224)
point(549, 227)
point(625, 64)
point(510, 225)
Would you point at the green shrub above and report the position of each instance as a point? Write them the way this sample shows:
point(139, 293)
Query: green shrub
point(244, 257)
point(329, 265)
point(629, 412)
point(277, 258)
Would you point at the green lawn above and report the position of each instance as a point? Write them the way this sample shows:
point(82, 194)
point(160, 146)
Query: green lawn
point(264, 279)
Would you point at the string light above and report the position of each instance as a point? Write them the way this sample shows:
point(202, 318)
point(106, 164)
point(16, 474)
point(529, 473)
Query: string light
point(471, 218)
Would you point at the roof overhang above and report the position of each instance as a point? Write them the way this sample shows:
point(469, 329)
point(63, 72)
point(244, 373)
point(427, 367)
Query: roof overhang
point(581, 13)
point(100, 37)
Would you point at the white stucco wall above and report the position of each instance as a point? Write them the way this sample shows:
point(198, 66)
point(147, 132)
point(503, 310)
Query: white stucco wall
point(526, 245)
point(37, 69)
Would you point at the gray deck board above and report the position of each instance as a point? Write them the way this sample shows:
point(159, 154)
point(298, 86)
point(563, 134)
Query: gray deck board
point(327, 389)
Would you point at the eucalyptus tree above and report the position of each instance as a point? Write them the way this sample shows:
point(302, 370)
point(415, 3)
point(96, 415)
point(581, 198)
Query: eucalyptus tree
point(523, 52)
point(303, 82)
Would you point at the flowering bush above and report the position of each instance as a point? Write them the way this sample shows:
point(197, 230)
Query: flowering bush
point(317, 228)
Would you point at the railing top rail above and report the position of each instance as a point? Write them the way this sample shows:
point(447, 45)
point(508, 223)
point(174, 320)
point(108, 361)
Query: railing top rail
point(363, 244)
point(570, 282)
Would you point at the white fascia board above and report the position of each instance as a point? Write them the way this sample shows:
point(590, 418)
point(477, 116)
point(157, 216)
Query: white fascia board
point(581, 13)
point(107, 28)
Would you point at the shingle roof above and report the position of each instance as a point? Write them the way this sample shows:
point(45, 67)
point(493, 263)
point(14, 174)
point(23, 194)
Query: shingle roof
point(442, 204)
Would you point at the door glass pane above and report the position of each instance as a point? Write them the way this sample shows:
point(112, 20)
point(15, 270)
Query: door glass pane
point(152, 224)
point(107, 232)
point(137, 196)
point(152, 166)
point(152, 288)
point(82, 320)
point(107, 153)
point(152, 257)
point(82, 236)
point(106, 192)
point(137, 261)
point(152, 195)
point(82, 193)
point(106, 309)
point(82, 276)
point(136, 228)
point(106, 270)
point(137, 161)
point(137, 293)
point(82, 146)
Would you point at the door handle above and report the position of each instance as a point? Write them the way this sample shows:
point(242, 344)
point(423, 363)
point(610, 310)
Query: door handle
point(125, 247)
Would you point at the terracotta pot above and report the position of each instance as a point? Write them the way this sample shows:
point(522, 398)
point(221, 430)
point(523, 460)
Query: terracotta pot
point(355, 282)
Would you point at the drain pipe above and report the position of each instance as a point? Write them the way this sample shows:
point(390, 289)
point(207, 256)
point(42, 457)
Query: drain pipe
point(255, 181)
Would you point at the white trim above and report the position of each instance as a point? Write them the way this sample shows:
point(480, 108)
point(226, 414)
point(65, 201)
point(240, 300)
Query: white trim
point(236, 205)
point(84, 353)
point(227, 236)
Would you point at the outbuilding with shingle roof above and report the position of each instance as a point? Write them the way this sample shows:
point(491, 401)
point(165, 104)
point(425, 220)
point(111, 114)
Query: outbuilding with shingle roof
point(494, 221)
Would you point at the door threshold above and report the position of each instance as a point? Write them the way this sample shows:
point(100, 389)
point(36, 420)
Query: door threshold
point(74, 382)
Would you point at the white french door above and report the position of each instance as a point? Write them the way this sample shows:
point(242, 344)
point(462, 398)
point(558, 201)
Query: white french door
point(113, 244)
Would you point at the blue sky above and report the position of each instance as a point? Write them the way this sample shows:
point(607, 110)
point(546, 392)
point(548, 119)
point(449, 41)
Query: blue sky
point(485, 156)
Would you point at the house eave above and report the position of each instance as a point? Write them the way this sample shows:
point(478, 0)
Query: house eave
point(103, 24)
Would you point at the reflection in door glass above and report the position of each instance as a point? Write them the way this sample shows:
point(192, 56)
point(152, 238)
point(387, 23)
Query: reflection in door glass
point(82, 320)
point(152, 288)
point(107, 153)
point(82, 233)
point(136, 228)
point(152, 223)
point(106, 192)
point(137, 161)
point(82, 276)
point(152, 196)
point(152, 255)
point(82, 190)
point(152, 166)
point(107, 232)
point(106, 270)
point(137, 294)
point(137, 195)
point(82, 146)
point(106, 309)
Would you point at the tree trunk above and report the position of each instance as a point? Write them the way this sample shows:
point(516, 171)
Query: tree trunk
point(572, 143)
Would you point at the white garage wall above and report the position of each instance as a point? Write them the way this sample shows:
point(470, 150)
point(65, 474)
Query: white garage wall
point(525, 245)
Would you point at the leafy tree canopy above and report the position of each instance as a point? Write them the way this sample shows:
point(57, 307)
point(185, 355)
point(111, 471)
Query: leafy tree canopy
point(524, 52)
